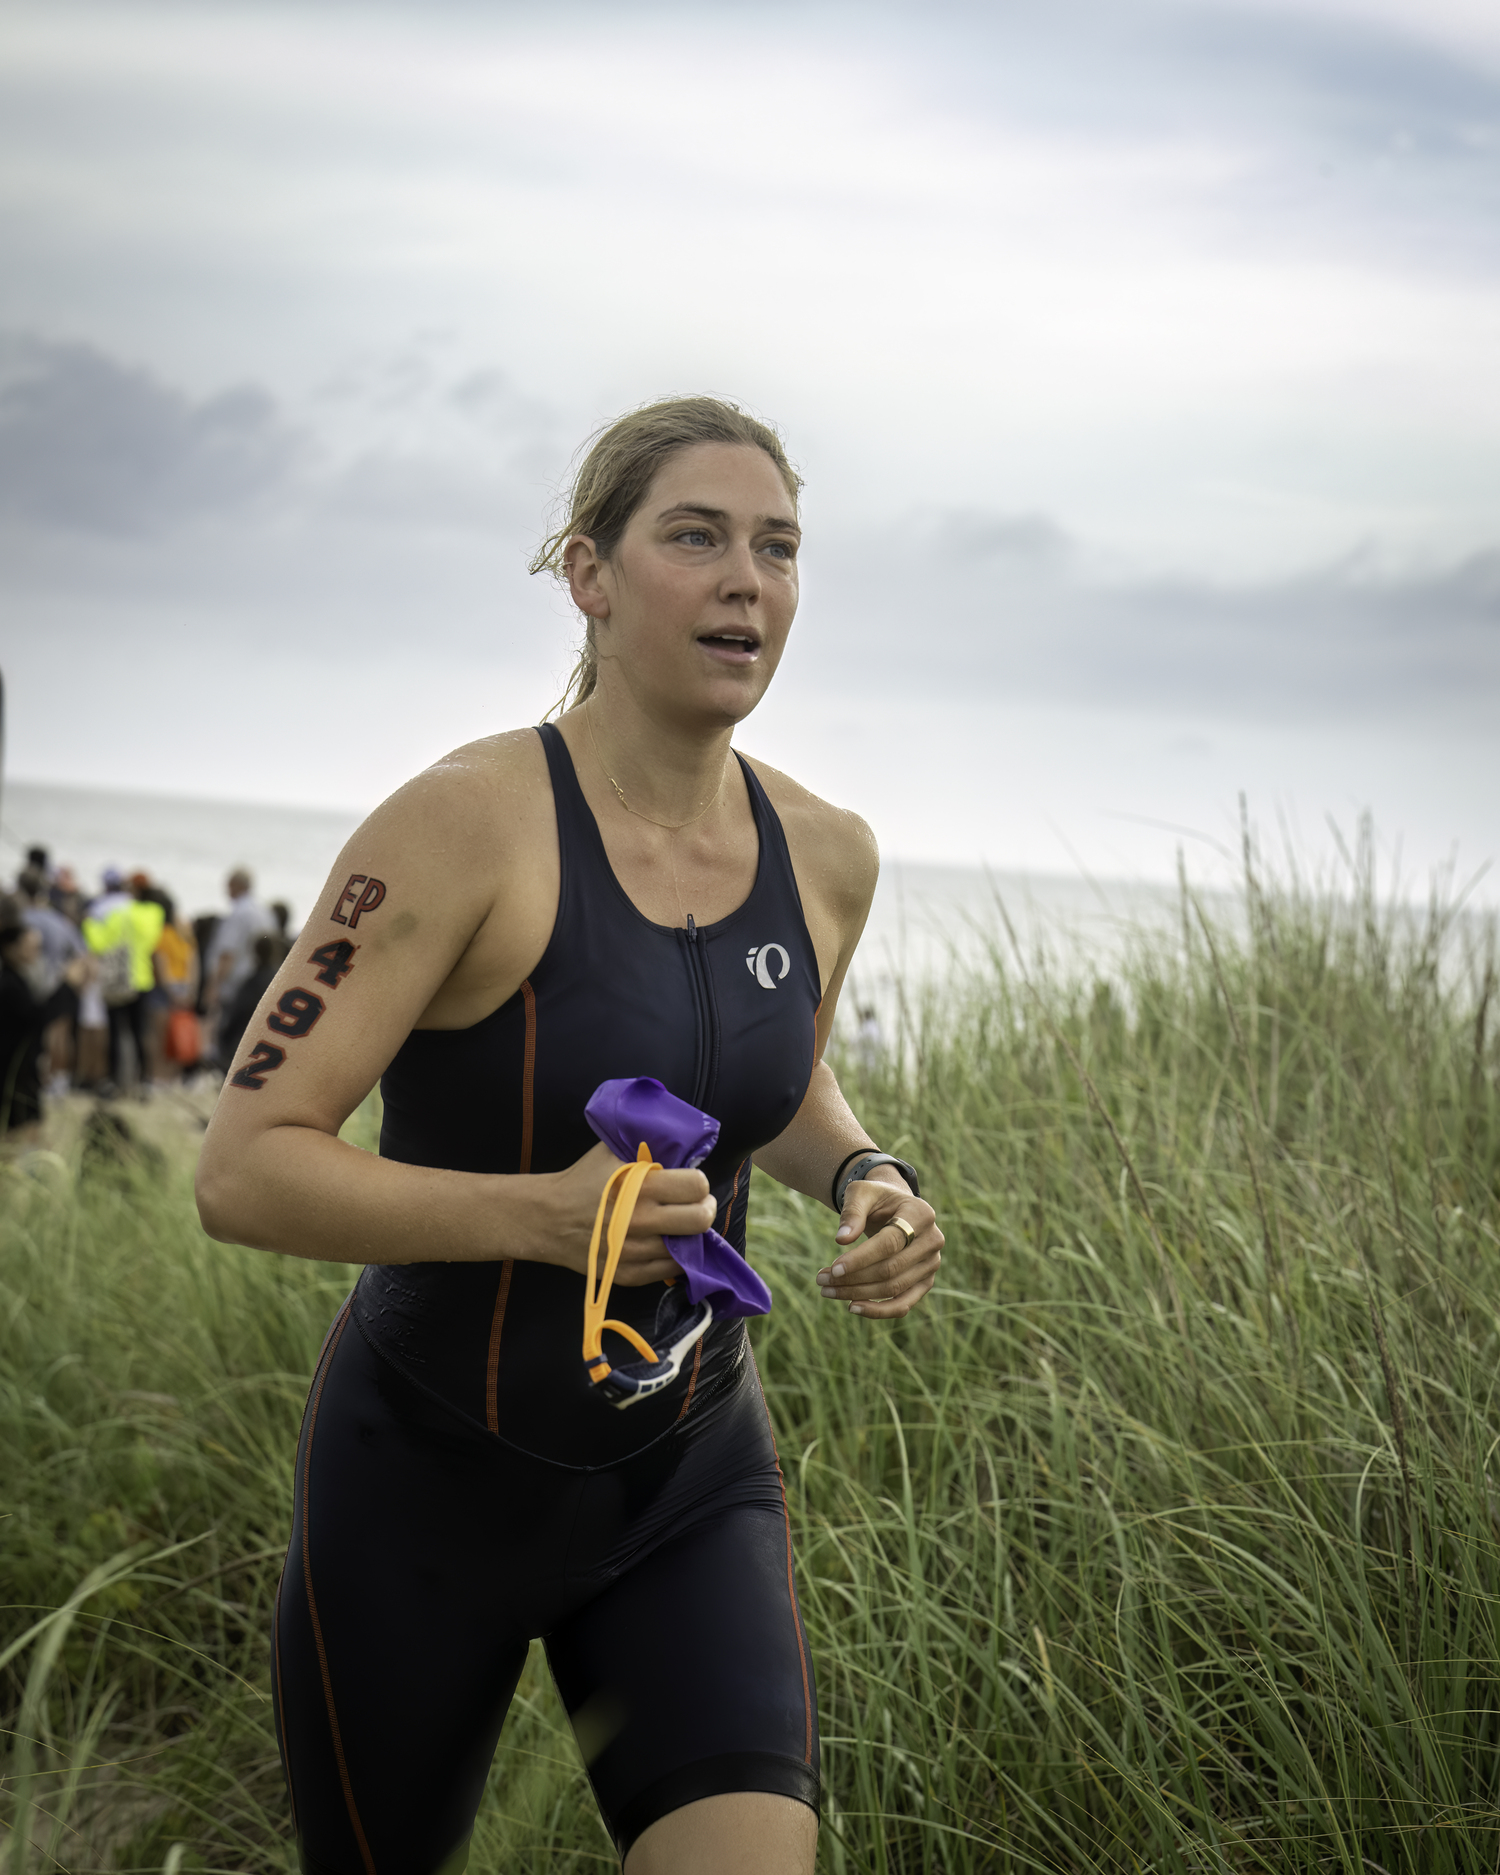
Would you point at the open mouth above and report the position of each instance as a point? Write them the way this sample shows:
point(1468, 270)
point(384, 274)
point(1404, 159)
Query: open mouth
point(732, 644)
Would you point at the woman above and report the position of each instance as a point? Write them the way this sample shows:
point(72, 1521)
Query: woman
point(617, 894)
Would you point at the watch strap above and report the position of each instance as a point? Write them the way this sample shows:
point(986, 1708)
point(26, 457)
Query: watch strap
point(866, 1162)
point(848, 1159)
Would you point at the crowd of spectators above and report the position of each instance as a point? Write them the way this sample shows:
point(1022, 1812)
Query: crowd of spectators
point(116, 993)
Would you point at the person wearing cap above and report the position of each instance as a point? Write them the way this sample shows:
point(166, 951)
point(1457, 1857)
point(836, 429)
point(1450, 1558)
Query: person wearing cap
point(112, 897)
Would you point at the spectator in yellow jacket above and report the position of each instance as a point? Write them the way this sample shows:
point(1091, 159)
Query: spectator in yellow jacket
point(123, 929)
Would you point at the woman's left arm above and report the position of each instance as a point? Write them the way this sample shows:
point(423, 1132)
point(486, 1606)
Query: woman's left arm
point(887, 1274)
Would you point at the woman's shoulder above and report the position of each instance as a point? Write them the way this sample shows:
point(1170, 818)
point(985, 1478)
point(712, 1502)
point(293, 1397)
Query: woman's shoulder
point(462, 830)
point(485, 784)
point(831, 845)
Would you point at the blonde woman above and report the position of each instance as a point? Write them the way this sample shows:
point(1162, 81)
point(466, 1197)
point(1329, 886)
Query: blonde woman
point(617, 894)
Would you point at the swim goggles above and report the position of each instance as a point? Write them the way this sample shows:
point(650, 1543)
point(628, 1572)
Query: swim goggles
point(680, 1322)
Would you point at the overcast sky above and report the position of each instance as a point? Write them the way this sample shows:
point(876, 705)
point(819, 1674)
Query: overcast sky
point(1141, 359)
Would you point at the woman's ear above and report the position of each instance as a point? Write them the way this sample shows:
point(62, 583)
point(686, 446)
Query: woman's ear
point(584, 568)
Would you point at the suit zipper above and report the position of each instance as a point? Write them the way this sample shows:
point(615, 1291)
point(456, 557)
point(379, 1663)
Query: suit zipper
point(708, 1026)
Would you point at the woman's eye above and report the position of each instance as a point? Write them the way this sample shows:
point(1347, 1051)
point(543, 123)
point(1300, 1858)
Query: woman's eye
point(783, 549)
point(694, 537)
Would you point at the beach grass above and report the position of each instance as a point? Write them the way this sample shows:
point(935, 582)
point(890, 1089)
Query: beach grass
point(1163, 1538)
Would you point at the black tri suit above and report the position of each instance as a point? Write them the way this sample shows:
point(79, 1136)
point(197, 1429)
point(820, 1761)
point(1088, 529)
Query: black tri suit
point(461, 1488)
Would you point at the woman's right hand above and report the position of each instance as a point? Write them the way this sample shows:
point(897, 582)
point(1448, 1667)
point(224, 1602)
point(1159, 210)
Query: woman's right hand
point(671, 1204)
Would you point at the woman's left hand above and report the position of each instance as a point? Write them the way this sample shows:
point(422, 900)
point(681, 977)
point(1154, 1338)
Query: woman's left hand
point(890, 1272)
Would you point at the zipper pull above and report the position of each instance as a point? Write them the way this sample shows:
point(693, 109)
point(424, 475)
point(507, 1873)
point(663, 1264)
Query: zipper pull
point(692, 930)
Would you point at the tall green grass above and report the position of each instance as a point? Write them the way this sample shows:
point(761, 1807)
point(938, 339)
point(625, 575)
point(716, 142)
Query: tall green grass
point(1162, 1538)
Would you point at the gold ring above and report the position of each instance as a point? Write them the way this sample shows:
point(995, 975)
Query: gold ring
point(901, 1224)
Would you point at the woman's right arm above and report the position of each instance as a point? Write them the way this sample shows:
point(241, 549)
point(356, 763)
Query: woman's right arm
point(407, 914)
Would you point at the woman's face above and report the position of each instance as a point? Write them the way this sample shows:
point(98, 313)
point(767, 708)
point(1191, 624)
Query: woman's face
point(692, 613)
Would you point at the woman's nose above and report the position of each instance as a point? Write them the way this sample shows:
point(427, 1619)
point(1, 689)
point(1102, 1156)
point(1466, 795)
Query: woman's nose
point(741, 574)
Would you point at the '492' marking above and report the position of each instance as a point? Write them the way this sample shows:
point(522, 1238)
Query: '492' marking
point(264, 1059)
point(295, 1015)
point(298, 1011)
point(334, 960)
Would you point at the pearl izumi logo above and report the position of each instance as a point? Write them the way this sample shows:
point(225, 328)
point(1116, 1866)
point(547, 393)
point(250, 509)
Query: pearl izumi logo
point(768, 964)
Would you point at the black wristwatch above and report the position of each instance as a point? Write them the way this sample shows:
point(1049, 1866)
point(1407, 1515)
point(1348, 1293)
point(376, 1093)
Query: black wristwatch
point(859, 1163)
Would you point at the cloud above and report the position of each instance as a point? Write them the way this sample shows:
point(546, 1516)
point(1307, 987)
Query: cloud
point(1032, 541)
point(1337, 645)
point(464, 452)
point(409, 490)
point(1011, 606)
point(91, 444)
point(430, 509)
point(1337, 129)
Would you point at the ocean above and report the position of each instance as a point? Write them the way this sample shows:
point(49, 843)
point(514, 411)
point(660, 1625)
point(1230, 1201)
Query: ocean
point(186, 845)
point(923, 915)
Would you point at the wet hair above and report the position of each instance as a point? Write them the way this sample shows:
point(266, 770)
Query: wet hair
point(612, 480)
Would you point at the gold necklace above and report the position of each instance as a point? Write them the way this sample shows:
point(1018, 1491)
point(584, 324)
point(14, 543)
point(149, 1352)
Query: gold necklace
point(667, 826)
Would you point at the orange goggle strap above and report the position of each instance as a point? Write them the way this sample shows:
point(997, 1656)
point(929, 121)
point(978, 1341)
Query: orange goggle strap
point(625, 1188)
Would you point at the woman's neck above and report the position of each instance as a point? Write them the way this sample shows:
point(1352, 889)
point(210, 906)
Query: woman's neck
point(660, 770)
